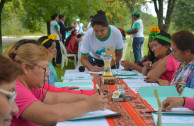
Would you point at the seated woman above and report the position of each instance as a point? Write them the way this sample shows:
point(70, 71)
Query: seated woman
point(183, 50)
point(51, 45)
point(41, 107)
point(72, 41)
point(172, 102)
point(150, 56)
point(8, 74)
point(166, 66)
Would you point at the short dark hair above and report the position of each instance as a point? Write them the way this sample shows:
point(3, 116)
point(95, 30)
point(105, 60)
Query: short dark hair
point(54, 16)
point(184, 40)
point(48, 43)
point(79, 35)
point(100, 19)
point(61, 16)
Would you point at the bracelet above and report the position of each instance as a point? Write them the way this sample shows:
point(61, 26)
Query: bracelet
point(184, 101)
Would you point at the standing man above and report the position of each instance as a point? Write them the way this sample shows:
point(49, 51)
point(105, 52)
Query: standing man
point(55, 29)
point(63, 29)
point(137, 34)
point(79, 27)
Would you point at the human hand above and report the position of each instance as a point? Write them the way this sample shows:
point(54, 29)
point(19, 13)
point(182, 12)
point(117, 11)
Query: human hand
point(96, 69)
point(96, 102)
point(163, 82)
point(147, 64)
point(126, 64)
point(102, 89)
point(71, 88)
point(172, 102)
point(150, 79)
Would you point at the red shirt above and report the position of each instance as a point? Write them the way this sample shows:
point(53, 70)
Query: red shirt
point(72, 46)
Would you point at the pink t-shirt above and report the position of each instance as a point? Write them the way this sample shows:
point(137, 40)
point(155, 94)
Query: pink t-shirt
point(171, 67)
point(24, 98)
point(52, 88)
point(189, 103)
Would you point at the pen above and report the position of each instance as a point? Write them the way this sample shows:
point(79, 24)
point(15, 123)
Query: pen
point(98, 89)
point(100, 82)
point(153, 111)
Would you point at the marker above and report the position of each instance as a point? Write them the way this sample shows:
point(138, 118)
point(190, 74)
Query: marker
point(98, 89)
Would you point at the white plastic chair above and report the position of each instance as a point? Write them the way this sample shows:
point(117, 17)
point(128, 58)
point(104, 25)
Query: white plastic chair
point(66, 56)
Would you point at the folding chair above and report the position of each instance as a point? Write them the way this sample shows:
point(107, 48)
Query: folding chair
point(66, 56)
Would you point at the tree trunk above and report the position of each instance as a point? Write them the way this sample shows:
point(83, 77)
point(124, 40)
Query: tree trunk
point(170, 11)
point(159, 12)
point(48, 28)
point(1, 7)
point(169, 14)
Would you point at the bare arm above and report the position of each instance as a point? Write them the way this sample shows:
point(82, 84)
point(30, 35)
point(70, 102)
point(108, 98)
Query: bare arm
point(63, 97)
point(133, 32)
point(59, 34)
point(86, 63)
point(155, 73)
point(43, 114)
point(129, 65)
point(118, 55)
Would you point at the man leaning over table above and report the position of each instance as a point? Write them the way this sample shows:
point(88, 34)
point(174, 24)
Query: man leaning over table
point(96, 39)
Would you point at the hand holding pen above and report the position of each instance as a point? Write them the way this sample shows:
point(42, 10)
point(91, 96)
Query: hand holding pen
point(147, 64)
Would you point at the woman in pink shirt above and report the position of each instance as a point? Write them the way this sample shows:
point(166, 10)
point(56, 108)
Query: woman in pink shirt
point(38, 106)
point(166, 66)
point(8, 74)
point(172, 102)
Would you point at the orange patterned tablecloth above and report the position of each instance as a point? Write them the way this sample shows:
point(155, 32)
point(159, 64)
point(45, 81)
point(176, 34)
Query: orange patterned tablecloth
point(132, 112)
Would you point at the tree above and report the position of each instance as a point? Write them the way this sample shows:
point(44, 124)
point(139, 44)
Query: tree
point(134, 5)
point(183, 15)
point(44, 9)
point(2, 3)
point(116, 11)
point(158, 4)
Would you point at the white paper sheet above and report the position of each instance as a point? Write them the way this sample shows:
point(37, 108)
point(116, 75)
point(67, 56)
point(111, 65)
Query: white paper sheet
point(88, 122)
point(178, 119)
point(90, 119)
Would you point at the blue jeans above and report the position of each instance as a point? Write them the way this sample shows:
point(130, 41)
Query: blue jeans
point(137, 44)
point(100, 63)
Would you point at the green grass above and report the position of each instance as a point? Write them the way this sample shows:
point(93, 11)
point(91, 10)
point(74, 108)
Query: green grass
point(145, 49)
point(61, 72)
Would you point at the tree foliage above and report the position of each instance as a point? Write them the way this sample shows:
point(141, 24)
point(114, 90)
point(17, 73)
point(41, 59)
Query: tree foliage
point(184, 15)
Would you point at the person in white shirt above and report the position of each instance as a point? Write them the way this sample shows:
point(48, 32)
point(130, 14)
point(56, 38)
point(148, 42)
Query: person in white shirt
point(55, 29)
point(96, 39)
point(79, 27)
point(137, 34)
